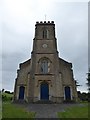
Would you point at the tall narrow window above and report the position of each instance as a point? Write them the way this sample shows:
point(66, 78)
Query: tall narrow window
point(45, 33)
point(44, 66)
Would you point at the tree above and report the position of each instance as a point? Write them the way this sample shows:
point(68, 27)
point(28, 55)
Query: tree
point(2, 90)
point(82, 96)
point(88, 80)
point(88, 84)
point(77, 83)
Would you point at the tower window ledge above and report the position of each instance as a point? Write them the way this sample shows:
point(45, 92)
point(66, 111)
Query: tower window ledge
point(44, 74)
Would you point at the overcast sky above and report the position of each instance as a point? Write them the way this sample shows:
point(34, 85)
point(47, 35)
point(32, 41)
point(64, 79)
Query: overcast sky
point(18, 27)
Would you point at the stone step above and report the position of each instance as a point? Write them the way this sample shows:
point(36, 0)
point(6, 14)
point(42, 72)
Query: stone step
point(44, 102)
point(19, 101)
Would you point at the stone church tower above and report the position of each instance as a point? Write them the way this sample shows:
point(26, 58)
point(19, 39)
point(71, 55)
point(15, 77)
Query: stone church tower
point(45, 76)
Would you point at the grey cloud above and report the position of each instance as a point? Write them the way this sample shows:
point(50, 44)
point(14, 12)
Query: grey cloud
point(71, 33)
point(10, 65)
point(8, 80)
point(10, 61)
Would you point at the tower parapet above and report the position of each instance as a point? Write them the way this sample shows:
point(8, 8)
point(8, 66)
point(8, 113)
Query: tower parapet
point(45, 22)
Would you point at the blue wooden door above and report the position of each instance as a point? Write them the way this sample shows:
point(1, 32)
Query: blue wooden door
point(67, 93)
point(44, 91)
point(21, 92)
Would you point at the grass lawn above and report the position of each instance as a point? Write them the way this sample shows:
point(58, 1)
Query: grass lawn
point(0, 106)
point(0, 111)
point(10, 110)
point(75, 112)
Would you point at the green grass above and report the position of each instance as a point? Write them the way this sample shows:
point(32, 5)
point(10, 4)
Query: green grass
point(10, 110)
point(0, 106)
point(75, 112)
point(0, 111)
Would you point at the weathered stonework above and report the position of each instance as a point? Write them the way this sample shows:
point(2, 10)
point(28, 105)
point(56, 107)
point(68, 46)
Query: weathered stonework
point(45, 70)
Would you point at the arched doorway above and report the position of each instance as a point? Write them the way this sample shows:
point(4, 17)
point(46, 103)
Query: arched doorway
point(21, 92)
point(67, 93)
point(44, 91)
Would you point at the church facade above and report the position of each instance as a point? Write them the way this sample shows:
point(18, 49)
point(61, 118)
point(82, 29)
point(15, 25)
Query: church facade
point(45, 76)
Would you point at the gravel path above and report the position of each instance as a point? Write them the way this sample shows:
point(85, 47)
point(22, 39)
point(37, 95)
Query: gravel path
point(47, 110)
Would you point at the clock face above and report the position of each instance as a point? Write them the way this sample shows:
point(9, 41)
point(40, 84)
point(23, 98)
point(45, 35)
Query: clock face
point(44, 45)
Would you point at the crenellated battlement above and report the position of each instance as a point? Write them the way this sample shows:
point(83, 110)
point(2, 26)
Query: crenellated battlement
point(45, 22)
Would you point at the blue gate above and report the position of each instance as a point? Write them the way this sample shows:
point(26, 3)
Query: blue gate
point(21, 92)
point(67, 93)
point(44, 89)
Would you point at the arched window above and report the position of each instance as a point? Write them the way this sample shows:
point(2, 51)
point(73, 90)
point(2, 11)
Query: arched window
point(44, 66)
point(45, 33)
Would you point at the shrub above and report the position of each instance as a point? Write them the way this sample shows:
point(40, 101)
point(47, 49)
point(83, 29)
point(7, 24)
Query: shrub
point(6, 97)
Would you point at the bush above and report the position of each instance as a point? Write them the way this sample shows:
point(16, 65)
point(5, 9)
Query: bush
point(7, 92)
point(6, 97)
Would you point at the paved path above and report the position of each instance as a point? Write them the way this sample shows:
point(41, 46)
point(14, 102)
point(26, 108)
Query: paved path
point(47, 110)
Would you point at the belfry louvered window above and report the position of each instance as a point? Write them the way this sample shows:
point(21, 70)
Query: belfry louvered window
point(44, 67)
point(45, 34)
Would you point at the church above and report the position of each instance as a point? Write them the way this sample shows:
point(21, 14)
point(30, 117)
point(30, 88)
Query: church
point(45, 76)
